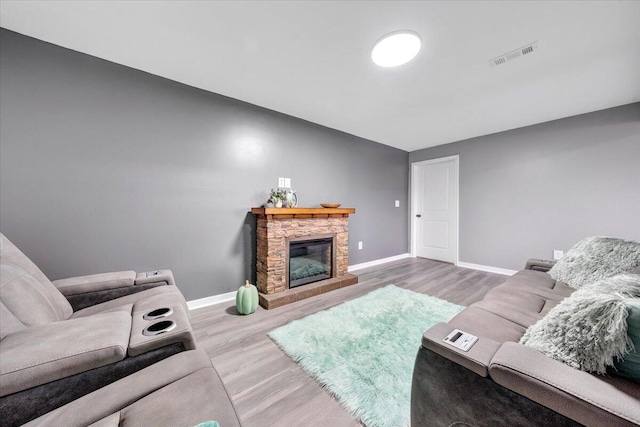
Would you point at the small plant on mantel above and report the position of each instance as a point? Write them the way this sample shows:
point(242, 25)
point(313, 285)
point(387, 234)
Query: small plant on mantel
point(277, 196)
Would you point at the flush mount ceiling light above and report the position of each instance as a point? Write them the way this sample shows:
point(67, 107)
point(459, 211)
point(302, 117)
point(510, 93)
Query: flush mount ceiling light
point(396, 49)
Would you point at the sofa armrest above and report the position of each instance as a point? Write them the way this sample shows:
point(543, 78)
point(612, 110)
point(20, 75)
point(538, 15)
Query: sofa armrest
point(537, 264)
point(95, 282)
point(179, 314)
point(478, 357)
point(41, 354)
point(155, 276)
point(589, 399)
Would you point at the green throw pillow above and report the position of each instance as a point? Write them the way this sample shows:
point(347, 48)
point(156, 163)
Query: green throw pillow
point(596, 258)
point(629, 366)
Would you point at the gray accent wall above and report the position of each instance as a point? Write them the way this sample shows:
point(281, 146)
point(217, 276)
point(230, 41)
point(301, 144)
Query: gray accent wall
point(528, 191)
point(107, 168)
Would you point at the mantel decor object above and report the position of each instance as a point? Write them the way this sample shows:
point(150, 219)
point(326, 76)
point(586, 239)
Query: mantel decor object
point(291, 198)
point(277, 197)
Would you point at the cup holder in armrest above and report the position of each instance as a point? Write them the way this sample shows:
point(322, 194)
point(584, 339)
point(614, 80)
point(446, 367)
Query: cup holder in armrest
point(159, 328)
point(157, 313)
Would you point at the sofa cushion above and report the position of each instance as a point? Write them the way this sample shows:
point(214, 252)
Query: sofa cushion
point(516, 297)
point(510, 312)
point(9, 323)
point(534, 300)
point(532, 278)
point(538, 280)
point(10, 254)
point(183, 390)
point(41, 354)
point(596, 258)
point(28, 299)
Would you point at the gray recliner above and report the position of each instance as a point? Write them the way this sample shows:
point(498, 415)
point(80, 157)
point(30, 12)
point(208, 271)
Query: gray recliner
point(51, 354)
point(182, 390)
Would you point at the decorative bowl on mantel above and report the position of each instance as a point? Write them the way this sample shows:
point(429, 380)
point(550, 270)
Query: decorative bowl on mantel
point(330, 205)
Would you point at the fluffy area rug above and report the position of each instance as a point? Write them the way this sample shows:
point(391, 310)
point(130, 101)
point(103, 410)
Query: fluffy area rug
point(363, 351)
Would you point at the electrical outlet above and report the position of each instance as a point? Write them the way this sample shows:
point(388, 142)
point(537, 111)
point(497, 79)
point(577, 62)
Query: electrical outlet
point(359, 245)
point(287, 183)
point(280, 182)
point(397, 203)
point(557, 254)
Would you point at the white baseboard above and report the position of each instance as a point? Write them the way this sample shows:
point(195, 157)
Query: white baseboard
point(488, 268)
point(377, 262)
point(212, 300)
point(230, 296)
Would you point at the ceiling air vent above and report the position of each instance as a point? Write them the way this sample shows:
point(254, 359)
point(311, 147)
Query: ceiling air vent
point(514, 54)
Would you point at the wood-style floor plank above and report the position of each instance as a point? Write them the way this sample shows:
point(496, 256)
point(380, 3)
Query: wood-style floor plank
point(268, 388)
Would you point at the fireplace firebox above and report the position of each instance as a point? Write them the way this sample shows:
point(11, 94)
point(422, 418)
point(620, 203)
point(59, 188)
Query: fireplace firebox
point(310, 260)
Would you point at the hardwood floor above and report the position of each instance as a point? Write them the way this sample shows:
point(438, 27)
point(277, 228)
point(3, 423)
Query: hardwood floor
point(268, 388)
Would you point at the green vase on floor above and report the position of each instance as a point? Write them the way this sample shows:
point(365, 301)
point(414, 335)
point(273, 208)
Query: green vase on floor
point(247, 299)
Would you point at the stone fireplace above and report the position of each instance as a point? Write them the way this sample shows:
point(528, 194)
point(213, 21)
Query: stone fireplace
point(301, 252)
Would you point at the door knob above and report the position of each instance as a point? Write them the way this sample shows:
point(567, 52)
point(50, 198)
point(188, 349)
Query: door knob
point(419, 216)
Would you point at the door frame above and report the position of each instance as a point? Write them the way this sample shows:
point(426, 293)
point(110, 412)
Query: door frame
point(412, 211)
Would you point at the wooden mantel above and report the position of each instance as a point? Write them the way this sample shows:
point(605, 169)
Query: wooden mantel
point(286, 213)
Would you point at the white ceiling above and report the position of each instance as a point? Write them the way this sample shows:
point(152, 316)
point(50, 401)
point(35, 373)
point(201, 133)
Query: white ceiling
point(312, 59)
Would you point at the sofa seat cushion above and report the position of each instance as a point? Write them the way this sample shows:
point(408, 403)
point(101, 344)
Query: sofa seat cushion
point(153, 298)
point(519, 298)
point(530, 279)
point(182, 390)
point(533, 300)
point(483, 323)
point(510, 312)
point(41, 354)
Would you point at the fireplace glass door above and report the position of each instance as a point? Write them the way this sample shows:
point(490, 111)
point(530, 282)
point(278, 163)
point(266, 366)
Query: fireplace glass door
point(310, 261)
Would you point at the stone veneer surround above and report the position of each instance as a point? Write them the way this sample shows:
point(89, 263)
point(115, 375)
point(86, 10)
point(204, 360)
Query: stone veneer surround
point(277, 226)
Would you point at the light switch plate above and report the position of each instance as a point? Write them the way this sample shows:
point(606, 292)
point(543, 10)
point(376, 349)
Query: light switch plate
point(397, 203)
point(287, 183)
point(281, 182)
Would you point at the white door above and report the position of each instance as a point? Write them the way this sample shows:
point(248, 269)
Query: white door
point(435, 209)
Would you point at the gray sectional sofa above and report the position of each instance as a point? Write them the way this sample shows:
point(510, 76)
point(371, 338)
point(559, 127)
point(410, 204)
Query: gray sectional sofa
point(62, 340)
point(500, 382)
